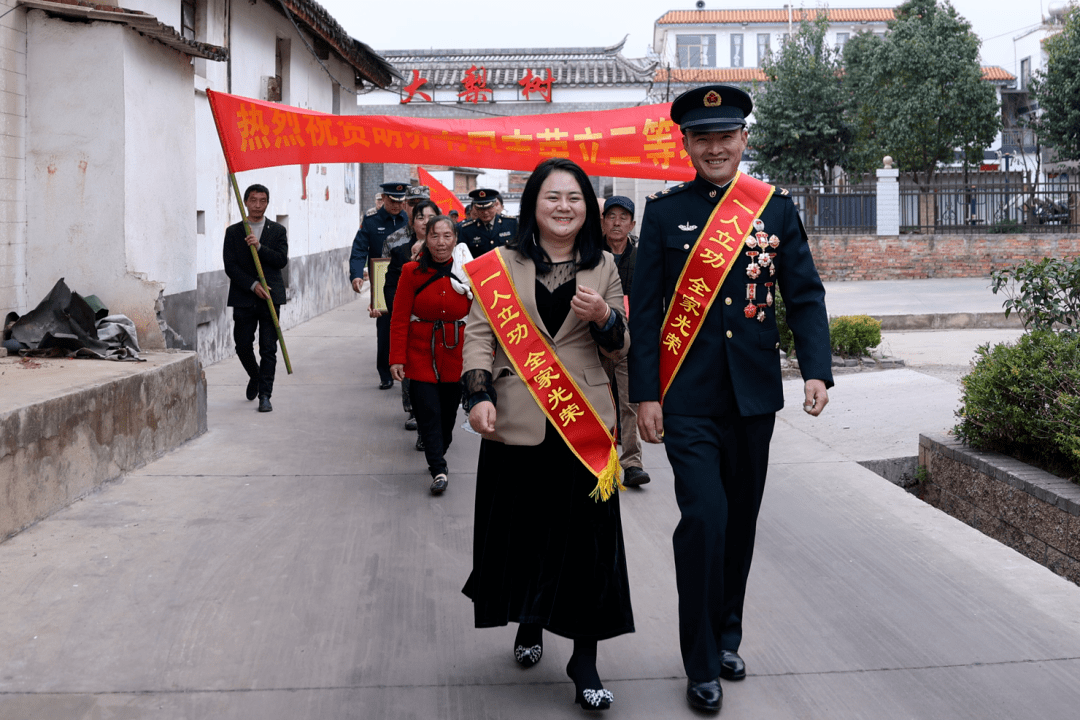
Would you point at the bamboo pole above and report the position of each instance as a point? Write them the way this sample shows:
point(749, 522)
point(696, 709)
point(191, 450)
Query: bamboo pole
point(262, 278)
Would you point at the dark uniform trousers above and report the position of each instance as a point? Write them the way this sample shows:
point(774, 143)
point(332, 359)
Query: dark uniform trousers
point(245, 322)
point(720, 465)
point(382, 347)
point(719, 456)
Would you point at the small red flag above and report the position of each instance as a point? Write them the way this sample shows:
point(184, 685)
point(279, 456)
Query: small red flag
point(442, 197)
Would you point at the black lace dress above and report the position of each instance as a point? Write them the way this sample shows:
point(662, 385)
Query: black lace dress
point(544, 552)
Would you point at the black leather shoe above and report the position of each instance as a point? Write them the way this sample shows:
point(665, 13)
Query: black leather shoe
point(386, 384)
point(732, 666)
point(264, 404)
point(634, 477)
point(252, 388)
point(705, 696)
point(410, 424)
point(438, 485)
point(419, 443)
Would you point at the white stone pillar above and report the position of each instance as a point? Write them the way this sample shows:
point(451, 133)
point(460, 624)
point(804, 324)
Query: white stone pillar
point(888, 199)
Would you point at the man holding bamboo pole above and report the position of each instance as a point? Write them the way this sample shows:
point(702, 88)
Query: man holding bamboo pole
point(247, 296)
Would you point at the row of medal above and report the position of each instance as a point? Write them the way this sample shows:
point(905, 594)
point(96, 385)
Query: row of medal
point(759, 258)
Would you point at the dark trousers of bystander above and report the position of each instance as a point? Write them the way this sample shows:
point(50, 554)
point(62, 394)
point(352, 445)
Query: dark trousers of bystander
point(435, 406)
point(245, 322)
point(382, 348)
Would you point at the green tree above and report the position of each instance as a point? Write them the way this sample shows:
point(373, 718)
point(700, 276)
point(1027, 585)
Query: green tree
point(1057, 90)
point(800, 134)
point(917, 94)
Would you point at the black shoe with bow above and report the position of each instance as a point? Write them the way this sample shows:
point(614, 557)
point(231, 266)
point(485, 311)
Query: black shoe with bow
point(589, 692)
point(528, 645)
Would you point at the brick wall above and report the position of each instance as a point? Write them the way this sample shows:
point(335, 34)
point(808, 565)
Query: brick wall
point(1033, 512)
point(896, 257)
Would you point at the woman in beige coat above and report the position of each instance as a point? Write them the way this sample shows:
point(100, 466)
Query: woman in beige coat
point(546, 555)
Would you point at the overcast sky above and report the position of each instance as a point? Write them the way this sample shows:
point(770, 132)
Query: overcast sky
point(425, 24)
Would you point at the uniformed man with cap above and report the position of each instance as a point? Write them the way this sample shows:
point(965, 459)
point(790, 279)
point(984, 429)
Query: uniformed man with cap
point(488, 229)
point(705, 364)
point(414, 195)
point(368, 243)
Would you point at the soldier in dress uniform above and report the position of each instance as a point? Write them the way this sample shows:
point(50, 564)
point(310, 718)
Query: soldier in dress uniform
point(706, 344)
point(368, 243)
point(488, 229)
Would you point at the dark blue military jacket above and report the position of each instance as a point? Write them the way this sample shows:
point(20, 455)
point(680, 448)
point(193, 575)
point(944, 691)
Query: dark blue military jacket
point(730, 344)
point(369, 239)
point(480, 239)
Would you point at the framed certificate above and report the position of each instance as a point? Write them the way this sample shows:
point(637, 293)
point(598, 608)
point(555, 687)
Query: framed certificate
point(377, 268)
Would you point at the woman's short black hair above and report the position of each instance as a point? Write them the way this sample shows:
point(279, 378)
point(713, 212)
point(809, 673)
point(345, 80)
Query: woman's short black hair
point(419, 208)
point(589, 242)
point(425, 254)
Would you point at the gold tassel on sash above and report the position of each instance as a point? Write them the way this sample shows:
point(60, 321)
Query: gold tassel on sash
point(608, 480)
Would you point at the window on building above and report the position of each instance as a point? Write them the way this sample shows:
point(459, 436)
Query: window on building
point(696, 50)
point(763, 48)
point(841, 40)
point(1025, 73)
point(187, 19)
point(736, 50)
point(282, 59)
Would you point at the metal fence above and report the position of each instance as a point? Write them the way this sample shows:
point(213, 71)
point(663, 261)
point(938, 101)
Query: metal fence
point(985, 202)
point(990, 202)
point(850, 209)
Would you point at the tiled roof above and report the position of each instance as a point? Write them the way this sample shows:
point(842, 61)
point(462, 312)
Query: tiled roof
point(997, 74)
point(570, 67)
point(710, 75)
point(366, 62)
point(718, 17)
point(141, 22)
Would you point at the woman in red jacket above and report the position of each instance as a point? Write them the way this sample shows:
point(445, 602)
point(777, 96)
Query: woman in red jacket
point(426, 330)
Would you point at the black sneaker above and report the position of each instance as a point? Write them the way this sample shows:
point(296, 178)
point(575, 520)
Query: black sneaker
point(438, 484)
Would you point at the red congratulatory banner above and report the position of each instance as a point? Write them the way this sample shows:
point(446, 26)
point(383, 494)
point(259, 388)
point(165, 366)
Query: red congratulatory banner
point(638, 142)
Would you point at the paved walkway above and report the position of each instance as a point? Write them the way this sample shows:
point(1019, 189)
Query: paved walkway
point(293, 565)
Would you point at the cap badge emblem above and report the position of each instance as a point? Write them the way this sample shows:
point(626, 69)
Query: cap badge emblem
point(482, 194)
point(712, 99)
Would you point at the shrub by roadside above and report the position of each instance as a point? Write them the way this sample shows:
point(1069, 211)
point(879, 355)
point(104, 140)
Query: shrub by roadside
point(854, 335)
point(1023, 400)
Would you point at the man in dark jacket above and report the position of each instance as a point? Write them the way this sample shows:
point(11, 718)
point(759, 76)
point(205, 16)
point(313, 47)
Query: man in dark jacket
point(712, 254)
point(247, 296)
point(618, 224)
point(368, 243)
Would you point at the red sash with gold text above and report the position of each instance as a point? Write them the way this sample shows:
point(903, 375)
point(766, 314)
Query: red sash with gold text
point(553, 388)
point(711, 258)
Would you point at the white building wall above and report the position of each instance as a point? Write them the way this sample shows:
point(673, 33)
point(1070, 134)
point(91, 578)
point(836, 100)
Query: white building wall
point(666, 44)
point(159, 150)
point(321, 224)
point(13, 295)
point(108, 208)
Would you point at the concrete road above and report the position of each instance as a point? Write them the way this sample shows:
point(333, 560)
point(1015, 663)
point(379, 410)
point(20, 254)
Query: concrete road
point(293, 565)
